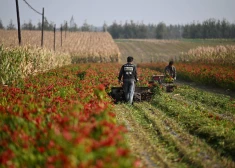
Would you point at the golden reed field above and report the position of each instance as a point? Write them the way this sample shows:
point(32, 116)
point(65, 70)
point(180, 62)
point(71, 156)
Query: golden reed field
point(220, 54)
point(29, 58)
point(82, 46)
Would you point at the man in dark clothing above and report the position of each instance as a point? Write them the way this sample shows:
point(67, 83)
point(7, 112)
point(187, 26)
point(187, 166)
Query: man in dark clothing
point(129, 74)
point(170, 70)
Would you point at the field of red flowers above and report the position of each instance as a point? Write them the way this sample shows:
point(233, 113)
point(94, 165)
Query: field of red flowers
point(210, 74)
point(63, 118)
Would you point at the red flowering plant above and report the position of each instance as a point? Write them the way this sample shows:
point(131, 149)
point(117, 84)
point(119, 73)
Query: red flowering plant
point(60, 119)
point(210, 74)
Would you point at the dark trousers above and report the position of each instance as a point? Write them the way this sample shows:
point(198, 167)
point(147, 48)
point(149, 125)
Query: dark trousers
point(129, 89)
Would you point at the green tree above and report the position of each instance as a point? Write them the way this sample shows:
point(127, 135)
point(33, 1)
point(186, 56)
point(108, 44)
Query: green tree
point(65, 26)
point(212, 28)
point(47, 26)
point(11, 26)
point(28, 26)
point(105, 27)
point(115, 30)
point(86, 27)
point(161, 31)
point(39, 26)
point(225, 28)
point(141, 31)
point(186, 31)
point(1, 24)
point(173, 32)
point(72, 25)
point(129, 30)
point(151, 31)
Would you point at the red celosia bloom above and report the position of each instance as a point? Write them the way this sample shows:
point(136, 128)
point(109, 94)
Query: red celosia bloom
point(122, 152)
point(99, 164)
point(67, 135)
point(101, 87)
point(6, 156)
point(82, 118)
point(41, 149)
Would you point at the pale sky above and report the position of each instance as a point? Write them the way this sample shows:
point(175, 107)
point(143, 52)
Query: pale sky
point(96, 12)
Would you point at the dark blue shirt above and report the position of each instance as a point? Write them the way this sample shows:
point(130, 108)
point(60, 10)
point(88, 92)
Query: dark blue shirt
point(129, 72)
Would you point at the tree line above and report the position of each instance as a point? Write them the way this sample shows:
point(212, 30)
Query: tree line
point(210, 28)
point(28, 25)
point(131, 30)
point(49, 26)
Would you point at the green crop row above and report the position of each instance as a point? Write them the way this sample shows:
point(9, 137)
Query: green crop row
point(196, 151)
point(221, 103)
point(164, 153)
point(217, 132)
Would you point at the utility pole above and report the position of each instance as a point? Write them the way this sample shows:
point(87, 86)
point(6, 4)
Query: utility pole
point(54, 36)
point(66, 26)
point(61, 30)
point(18, 21)
point(42, 26)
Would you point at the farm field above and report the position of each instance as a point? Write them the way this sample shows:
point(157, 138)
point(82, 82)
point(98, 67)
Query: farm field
point(162, 50)
point(81, 46)
point(64, 117)
point(61, 115)
point(214, 75)
point(78, 47)
point(64, 105)
point(61, 118)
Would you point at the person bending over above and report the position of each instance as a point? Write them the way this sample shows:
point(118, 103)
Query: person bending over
point(170, 70)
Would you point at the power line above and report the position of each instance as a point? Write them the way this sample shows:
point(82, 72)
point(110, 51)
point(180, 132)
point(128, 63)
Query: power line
point(32, 7)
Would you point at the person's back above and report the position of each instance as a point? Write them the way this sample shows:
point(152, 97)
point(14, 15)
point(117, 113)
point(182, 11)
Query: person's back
point(129, 74)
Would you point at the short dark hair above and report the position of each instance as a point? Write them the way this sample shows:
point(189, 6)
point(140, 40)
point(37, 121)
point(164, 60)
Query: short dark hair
point(171, 62)
point(130, 59)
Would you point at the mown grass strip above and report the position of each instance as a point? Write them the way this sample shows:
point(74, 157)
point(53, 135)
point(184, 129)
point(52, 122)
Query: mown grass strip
point(224, 104)
point(196, 151)
point(165, 150)
point(219, 134)
point(137, 141)
point(212, 112)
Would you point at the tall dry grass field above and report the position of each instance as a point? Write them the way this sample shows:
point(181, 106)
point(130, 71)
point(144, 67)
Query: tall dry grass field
point(78, 47)
point(212, 55)
point(82, 46)
point(19, 62)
